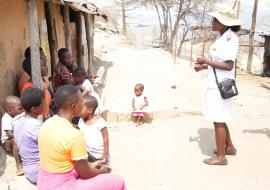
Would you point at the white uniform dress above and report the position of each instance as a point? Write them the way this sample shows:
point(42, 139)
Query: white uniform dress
point(225, 48)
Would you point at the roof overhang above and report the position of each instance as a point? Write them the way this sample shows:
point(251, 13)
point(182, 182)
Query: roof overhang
point(86, 6)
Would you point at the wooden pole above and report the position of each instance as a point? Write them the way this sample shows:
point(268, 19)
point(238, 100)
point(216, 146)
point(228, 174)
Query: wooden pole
point(175, 49)
point(80, 52)
point(89, 25)
point(67, 27)
point(52, 34)
point(124, 18)
point(191, 48)
point(251, 37)
point(34, 43)
point(235, 3)
point(204, 40)
point(238, 9)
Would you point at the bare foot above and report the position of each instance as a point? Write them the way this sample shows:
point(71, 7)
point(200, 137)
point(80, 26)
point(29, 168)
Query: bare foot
point(138, 124)
point(19, 172)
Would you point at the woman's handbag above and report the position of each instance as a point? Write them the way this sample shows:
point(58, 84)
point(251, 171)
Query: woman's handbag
point(227, 87)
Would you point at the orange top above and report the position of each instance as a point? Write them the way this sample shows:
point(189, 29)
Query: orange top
point(59, 145)
point(24, 79)
point(47, 95)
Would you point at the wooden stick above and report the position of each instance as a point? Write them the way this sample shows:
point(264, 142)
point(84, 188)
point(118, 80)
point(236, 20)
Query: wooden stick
point(52, 34)
point(80, 52)
point(251, 37)
point(175, 49)
point(265, 85)
point(191, 48)
point(34, 43)
point(67, 27)
point(235, 3)
point(88, 27)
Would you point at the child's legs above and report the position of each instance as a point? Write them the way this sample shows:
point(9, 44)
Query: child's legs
point(139, 119)
point(17, 157)
point(102, 182)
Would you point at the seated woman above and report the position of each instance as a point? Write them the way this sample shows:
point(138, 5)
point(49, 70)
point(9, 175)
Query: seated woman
point(25, 77)
point(29, 84)
point(63, 70)
point(63, 155)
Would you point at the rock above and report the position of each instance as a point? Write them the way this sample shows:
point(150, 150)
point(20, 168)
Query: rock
point(173, 87)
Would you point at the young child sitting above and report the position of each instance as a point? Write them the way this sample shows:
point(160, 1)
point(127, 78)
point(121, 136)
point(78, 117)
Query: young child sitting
point(139, 104)
point(86, 86)
point(13, 111)
point(95, 131)
point(26, 134)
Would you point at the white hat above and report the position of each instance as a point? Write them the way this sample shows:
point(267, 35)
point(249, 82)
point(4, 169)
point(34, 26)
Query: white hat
point(227, 17)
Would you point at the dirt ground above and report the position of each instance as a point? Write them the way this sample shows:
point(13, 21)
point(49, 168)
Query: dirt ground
point(167, 153)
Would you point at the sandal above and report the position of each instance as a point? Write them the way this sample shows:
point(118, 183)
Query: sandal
point(228, 151)
point(215, 161)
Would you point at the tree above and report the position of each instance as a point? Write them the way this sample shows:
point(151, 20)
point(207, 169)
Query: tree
point(124, 24)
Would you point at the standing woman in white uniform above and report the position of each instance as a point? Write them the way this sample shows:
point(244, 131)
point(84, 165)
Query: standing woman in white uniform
point(222, 57)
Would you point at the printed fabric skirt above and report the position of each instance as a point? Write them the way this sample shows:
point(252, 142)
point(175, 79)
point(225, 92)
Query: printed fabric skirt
point(71, 181)
point(215, 108)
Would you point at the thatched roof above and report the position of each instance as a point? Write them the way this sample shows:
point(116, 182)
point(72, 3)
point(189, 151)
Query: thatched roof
point(86, 6)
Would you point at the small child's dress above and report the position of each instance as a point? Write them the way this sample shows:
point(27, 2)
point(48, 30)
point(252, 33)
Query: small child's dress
point(86, 85)
point(139, 102)
point(93, 138)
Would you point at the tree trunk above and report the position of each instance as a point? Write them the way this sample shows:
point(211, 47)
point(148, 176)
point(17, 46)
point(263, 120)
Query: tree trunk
point(165, 28)
point(204, 9)
point(251, 37)
point(170, 21)
point(80, 51)
point(176, 27)
point(67, 27)
point(124, 18)
point(34, 43)
point(159, 19)
point(185, 32)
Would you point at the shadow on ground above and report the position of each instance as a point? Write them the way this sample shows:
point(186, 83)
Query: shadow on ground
point(3, 161)
point(101, 63)
point(265, 131)
point(205, 140)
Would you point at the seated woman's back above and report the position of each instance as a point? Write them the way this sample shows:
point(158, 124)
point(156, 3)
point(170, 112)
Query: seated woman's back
point(63, 143)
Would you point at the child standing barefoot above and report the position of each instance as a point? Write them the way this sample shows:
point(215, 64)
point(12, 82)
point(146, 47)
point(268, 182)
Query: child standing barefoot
point(139, 104)
point(95, 131)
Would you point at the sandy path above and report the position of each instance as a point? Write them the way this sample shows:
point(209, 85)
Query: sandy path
point(167, 154)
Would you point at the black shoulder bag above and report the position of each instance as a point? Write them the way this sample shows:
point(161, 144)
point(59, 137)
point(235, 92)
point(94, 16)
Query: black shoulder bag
point(227, 87)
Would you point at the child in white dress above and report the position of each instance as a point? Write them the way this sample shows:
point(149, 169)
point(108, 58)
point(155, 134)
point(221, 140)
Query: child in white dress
point(95, 131)
point(87, 87)
point(139, 104)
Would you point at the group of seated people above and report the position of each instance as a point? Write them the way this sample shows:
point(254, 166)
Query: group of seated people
point(50, 148)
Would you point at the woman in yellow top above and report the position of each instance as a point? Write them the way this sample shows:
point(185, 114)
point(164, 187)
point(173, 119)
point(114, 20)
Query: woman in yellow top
point(63, 155)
